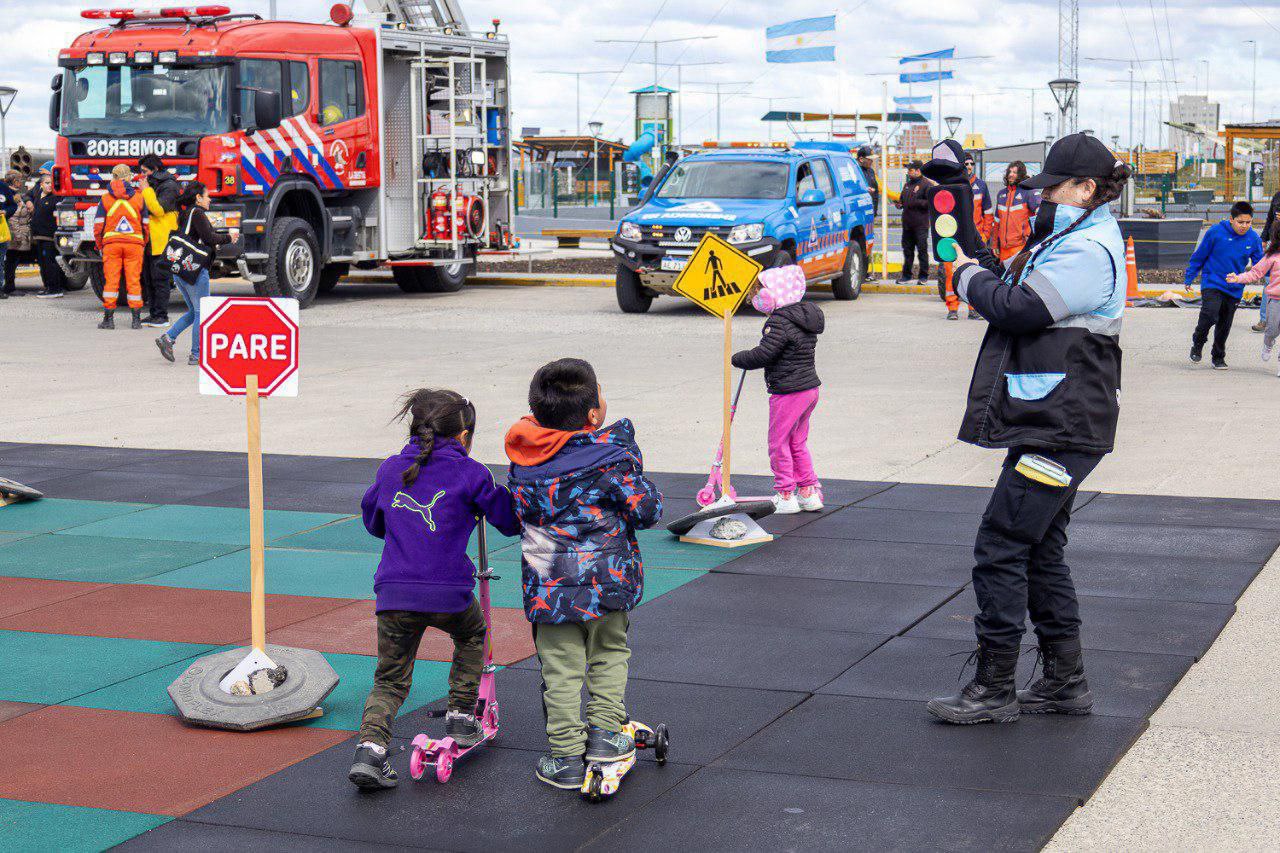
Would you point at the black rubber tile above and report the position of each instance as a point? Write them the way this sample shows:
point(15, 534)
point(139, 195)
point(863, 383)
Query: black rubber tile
point(1120, 624)
point(1172, 511)
point(926, 497)
point(221, 463)
point(802, 604)
point(858, 560)
point(835, 492)
point(1220, 543)
point(718, 809)
point(296, 495)
point(184, 836)
point(31, 475)
point(778, 525)
point(705, 722)
point(341, 470)
point(884, 740)
point(76, 456)
point(768, 658)
point(492, 799)
point(119, 484)
point(895, 525)
point(1186, 577)
point(1124, 684)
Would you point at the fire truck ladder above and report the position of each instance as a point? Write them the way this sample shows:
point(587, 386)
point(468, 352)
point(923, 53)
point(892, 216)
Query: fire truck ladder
point(423, 14)
point(461, 82)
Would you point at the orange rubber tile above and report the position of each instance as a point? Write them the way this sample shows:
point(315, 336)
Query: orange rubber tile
point(9, 710)
point(18, 595)
point(354, 630)
point(141, 762)
point(172, 614)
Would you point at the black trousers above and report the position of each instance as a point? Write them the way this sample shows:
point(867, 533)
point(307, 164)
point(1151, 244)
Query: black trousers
point(1217, 310)
point(915, 241)
point(1020, 561)
point(51, 275)
point(12, 259)
point(158, 286)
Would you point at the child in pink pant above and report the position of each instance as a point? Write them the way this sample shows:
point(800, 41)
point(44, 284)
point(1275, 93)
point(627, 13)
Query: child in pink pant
point(1268, 268)
point(786, 353)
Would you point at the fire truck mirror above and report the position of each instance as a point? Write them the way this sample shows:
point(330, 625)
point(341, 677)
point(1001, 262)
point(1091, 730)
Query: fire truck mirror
point(266, 110)
point(55, 112)
point(56, 83)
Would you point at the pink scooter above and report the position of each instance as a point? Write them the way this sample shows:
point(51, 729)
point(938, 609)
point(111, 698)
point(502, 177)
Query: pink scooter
point(444, 752)
point(714, 489)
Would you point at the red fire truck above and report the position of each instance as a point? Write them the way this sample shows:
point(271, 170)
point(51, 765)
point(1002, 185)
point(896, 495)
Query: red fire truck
point(365, 141)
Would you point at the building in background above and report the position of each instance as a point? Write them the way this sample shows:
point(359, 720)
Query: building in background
point(915, 137)
point(1195, 110)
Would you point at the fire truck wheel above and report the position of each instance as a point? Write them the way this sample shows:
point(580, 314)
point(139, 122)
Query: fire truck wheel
point(409, 279)
point(849, 284)
point(331, 275)
point(97, 280)
point(77, 278)
point(633, 297)
point(293, 261)
point(444, 279)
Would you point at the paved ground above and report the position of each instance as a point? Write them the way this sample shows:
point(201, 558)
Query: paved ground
point(895, 375)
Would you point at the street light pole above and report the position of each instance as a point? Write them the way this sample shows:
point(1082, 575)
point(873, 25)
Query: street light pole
point(1253, 109)
point(678, 126)
point(657, 154)
point(595, 127)
point(718, 84)
point(577, 93)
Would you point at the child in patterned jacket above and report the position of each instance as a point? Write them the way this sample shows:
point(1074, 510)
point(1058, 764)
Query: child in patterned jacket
point(581, 495)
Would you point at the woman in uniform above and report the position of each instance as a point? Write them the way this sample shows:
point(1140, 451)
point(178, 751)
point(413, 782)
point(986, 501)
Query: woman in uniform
point(1046, 387)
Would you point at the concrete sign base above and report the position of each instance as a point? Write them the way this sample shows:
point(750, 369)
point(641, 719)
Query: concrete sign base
point(200, 701)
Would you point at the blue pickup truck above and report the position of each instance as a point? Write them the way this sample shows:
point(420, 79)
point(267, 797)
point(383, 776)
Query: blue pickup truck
point(807, 204)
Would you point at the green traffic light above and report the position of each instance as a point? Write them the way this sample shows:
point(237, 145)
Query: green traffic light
point(947, 249)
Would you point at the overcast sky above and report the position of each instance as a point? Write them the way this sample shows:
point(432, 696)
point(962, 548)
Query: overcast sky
point(1019, 37)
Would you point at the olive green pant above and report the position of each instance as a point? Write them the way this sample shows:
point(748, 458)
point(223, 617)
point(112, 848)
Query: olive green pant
point(573, 653)
point(399, 635)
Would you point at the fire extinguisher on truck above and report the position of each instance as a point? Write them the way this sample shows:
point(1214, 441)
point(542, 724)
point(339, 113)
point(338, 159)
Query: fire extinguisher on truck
point(313, 139)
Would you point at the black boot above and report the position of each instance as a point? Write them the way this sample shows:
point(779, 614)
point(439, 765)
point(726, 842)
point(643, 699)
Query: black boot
point(1062, 689)
point(990, 697)
point(108, 319)
point(137, 319)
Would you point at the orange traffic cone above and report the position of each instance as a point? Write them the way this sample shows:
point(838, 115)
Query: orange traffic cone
point(1131, 273)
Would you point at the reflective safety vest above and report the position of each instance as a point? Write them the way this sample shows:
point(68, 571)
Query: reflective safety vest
point(121, 218)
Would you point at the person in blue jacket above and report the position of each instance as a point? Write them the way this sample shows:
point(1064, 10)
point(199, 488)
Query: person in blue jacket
point(1046, 389)
point(8, 206)
point(1231, 246)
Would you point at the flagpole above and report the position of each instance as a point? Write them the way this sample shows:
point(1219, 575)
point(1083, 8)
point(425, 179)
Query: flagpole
point(938, 117)
point(884, 184)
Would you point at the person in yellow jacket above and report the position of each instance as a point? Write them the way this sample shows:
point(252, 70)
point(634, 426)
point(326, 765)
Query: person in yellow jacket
point(160, 193)
point(120, 233)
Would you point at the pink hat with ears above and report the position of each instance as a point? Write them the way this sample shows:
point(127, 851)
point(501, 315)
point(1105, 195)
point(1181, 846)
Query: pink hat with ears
point(779, 287)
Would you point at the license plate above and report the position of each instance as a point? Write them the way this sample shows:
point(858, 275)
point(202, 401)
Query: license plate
point(674, 264)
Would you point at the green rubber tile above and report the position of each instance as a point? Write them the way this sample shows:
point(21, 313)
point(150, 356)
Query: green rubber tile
point(13, 537)
point(349, 535)
point(49, 514)
point(147, 693)
point(223, 525)
point(52, 668)
point(68, 829)
point(323, 574)
point(506, 592)
point(100, 559)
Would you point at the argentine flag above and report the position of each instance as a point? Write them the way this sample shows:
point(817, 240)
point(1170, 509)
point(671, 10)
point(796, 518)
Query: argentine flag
point(806, 40)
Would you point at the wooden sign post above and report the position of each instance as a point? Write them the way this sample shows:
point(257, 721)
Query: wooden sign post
point(257, 520)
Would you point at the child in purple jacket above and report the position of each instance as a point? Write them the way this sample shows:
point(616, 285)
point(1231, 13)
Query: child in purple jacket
point(424, 505)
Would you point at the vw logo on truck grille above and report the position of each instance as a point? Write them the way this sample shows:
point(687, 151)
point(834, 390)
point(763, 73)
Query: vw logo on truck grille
point(683, 235)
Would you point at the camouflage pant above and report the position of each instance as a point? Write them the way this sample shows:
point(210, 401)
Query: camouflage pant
point(399, 634)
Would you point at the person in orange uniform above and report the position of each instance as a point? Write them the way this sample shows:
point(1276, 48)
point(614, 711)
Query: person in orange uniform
point(120, 233)
point(1015, 209)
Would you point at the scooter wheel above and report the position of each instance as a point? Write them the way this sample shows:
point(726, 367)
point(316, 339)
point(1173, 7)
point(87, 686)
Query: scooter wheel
point(661, 740)
point(595, 792)
point(417, 764)
point(444, 766)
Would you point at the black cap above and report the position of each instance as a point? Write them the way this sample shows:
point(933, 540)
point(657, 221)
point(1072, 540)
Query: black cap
point(865, 151)
point(969, 158)
point(1073, 156)
point(915, 164)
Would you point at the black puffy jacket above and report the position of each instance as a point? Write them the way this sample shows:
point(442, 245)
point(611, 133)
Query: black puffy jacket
point(786, 349)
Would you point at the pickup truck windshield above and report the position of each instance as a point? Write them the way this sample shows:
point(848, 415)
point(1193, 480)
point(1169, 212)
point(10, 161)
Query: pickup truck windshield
point(726, 179)
point(151, 100)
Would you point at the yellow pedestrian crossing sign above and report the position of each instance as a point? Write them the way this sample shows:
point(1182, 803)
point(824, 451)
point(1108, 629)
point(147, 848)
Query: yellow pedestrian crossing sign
point(717, 277)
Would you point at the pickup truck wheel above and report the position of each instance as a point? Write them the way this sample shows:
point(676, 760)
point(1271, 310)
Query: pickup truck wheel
point(781, 258)
point(330, 275)
point(293, 261)
point(849, 284)
point(632, 296)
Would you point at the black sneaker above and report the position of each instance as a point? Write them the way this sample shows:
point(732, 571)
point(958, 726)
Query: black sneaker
point(372, 770)
point(1220, 364)
point(193, 359)
point(608, 746)
point(154, 322)
point(906, 281)
point(567, 773)
point(463, 728)
point(1196, 354)
point(46, 293)
point(166, 347)
point(953, 315)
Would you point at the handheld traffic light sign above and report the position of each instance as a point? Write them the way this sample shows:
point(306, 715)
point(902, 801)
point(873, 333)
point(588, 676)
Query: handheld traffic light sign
point(950, 203)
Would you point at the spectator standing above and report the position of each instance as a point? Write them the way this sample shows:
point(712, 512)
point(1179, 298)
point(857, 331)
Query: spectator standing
point(1231, 246)
point(160, 195)
point(20, 236)
point(8, 207)
point(44, 227)
point(866, 158)
point(915, 222)
point(1014, 210)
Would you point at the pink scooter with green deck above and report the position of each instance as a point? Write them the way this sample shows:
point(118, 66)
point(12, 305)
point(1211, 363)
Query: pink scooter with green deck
point(442, 754)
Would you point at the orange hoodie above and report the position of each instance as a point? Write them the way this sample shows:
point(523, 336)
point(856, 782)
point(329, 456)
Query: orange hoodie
point(530, 443)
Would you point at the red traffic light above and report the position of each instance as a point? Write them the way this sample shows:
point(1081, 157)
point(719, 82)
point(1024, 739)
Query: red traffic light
point(944, 201)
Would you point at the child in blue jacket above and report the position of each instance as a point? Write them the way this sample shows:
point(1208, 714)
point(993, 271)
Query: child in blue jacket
point(424, 505)
point(581, 494)
point(1231, 246)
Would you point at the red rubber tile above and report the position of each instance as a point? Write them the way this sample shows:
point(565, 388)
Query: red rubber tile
point(9, 710)
point(139, 612)
point(18, 595)
point(141, 762)
point(353, 630)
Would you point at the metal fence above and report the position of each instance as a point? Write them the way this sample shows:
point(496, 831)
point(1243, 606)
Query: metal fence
point(545, 187)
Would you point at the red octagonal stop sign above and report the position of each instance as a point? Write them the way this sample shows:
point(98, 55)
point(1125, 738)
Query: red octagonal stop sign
point(245, 335)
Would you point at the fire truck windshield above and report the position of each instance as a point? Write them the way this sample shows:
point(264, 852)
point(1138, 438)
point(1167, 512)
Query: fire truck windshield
point(726, 179)
point(151, 100)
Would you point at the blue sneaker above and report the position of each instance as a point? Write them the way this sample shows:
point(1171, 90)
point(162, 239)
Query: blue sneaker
point(608, 746)
point(562, 772)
